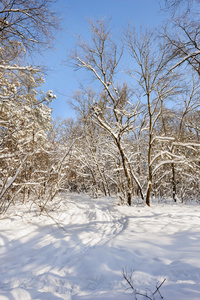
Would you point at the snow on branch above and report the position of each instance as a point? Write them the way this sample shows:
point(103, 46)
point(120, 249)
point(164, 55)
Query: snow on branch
point(185, 58)
point(162, 138)
point(186, 144)
point(12, 179)
point(15, 67)
point(173, 161)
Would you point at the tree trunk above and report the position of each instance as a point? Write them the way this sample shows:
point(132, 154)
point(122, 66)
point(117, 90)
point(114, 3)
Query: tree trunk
point(148, 194)
point(149, 153)
point(174, 183)
point(102, 178)
point(128, 178)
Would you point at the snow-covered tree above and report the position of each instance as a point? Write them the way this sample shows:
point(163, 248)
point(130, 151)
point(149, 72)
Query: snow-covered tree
point(157, 85)
point(24, 127)
point(116, 110)
point(25, 116)
point(97, 155)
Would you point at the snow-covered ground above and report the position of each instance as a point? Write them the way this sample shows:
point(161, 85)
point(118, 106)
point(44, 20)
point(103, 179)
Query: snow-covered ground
point(79, 252)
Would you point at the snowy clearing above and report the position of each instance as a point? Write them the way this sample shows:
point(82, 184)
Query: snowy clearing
point(79, 253)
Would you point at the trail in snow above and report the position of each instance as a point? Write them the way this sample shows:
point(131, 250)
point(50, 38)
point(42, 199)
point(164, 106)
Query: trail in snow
point(79, 253)
point(41, 254)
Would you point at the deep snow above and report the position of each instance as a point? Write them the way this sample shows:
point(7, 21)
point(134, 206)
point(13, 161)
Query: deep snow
point(79, 252)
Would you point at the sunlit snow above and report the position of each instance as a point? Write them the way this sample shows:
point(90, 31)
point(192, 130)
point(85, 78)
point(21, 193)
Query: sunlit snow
point(78, 251)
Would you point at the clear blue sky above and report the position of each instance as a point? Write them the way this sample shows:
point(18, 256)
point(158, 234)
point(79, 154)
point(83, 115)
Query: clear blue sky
point(62, 79)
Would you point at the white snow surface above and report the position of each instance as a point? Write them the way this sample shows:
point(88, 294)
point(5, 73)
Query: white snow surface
point(79, 252)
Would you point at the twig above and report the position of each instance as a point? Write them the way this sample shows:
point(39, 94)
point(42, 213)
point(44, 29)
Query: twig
point(157, 288)
point(130, 283)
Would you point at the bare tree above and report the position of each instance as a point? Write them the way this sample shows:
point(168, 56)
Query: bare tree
point(182, 33)
point(156, 84)
point(174, 5)
point(30, 22)
point(114, 111)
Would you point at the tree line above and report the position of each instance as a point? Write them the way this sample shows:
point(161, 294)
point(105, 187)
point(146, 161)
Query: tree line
point(136, 136)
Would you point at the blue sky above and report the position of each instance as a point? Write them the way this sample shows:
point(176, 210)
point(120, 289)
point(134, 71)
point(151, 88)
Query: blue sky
point(62, 79)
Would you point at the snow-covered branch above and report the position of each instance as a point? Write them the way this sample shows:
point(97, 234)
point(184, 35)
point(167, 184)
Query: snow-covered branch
point(18, 68)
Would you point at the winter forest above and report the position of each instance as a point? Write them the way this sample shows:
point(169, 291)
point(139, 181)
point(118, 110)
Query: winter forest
point(136, 134)
point(135, 139)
